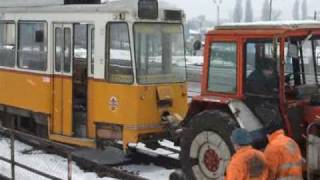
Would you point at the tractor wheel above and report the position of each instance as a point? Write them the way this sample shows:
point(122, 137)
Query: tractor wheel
point(206, 147)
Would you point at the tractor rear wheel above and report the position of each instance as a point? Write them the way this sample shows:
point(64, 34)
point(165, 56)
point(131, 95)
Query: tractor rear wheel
point(206, 147)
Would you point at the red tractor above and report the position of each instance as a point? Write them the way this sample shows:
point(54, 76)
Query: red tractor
point(253, 74)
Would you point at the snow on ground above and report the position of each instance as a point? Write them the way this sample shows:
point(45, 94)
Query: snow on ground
point(49, 163)
point(57, 165)
point(194, 60)
point(143, 149)
point(151, 172)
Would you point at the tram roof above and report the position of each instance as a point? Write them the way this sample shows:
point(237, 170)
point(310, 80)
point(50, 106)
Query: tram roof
point(281, 25)
point(109, 6)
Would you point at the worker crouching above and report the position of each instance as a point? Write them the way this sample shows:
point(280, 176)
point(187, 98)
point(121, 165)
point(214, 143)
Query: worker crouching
point(247, 163)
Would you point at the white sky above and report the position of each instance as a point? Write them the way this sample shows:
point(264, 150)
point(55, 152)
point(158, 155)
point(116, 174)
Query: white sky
point(206, 7)
point(195, 8)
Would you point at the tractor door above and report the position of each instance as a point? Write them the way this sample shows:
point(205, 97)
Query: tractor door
point(261, 80)
point(301, 82)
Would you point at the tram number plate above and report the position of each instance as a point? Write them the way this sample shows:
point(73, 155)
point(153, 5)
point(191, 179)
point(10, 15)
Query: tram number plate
point(148, 9)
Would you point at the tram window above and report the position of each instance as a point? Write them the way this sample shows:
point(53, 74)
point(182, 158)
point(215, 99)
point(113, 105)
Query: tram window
point(67, 50)
point(59, 42)
point(80, 41)
point(159, 50)
point(7, 44)
point(32, 51)
point(92, 51)
point(119, 55)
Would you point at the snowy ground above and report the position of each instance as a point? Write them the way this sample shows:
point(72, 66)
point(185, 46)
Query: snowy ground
point(51, 164)
point(57, 165)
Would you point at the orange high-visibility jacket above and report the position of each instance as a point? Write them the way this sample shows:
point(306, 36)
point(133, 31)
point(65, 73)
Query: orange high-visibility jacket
point(247, 164)
point(283, 157)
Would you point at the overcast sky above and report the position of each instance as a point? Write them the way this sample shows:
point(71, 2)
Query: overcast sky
point(206, 7)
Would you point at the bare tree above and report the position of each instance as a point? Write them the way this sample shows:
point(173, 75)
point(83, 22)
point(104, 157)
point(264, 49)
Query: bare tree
point(217, 4)
point(276, 14)
point(295, 10)
point(249, 12)
point(265, 16)
point(304, 9)
point(237, 13)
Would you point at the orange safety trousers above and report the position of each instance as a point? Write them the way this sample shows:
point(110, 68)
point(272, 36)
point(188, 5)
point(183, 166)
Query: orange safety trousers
point(247, 164)
point(283, 157)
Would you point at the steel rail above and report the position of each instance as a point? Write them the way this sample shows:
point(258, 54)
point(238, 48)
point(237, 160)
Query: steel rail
point(66, 151)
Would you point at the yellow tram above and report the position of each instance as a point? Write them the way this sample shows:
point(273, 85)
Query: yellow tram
point(84, 74)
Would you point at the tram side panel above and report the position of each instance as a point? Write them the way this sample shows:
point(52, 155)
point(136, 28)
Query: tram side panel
point(134, 108)
point(28, 91)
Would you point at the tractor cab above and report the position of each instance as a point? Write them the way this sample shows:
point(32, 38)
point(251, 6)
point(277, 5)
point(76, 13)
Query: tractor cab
point(253, 74)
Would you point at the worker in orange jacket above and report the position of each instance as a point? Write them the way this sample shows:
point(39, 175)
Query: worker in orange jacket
point(247, 163)
point(283, 155)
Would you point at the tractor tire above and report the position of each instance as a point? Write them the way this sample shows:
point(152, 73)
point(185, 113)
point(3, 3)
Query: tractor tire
point(206, 147)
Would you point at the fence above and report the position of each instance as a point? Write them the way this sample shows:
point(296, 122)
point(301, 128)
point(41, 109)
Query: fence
point(28, 164)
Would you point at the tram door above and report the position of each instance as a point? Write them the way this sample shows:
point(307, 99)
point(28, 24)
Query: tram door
point(80, 68)
point(71, 57)
point(62, 80)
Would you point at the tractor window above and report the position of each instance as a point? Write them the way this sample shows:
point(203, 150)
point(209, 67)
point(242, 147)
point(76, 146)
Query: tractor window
point(317, 53)
point(299, 64)
point(261, 68)
point(308, 63)
point(223, 67)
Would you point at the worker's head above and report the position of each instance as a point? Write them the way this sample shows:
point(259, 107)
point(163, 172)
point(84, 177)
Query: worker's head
point(240, 137)
point(266, 67)
point(273, 126)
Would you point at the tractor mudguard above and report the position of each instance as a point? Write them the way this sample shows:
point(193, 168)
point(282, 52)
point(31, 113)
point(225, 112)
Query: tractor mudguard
point(244, 116)
point(202, 103)
point(247, 120)
point(240, 111)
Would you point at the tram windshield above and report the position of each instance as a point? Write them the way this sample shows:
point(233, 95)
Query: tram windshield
point(160, 54)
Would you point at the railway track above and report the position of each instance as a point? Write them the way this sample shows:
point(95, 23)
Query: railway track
point(116, 171)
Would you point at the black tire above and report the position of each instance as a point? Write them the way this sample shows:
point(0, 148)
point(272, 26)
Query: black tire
point(216, 122)
point(177, 175)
